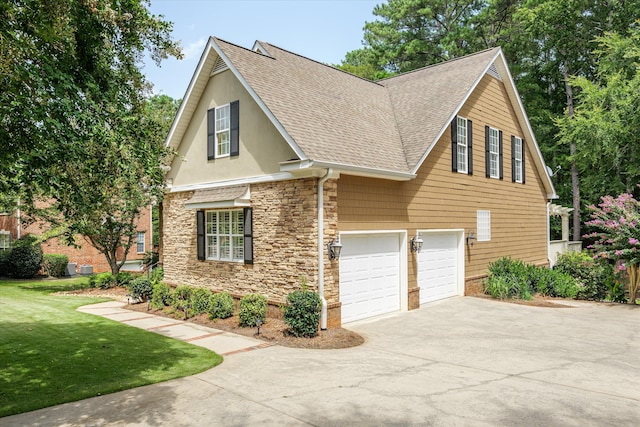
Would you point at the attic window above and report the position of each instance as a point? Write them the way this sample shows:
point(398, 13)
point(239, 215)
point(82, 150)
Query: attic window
point(493, 71)
point(219, 66)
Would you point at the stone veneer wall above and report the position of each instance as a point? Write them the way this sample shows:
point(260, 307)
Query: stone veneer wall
point(284, 243)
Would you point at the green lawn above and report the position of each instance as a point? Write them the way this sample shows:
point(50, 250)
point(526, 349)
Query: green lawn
point(51, 354)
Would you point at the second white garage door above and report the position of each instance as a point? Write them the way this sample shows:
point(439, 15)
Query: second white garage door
point(439, 266)
point(369, 275)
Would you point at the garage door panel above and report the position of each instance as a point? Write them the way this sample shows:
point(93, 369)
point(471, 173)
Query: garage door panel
point(438, 263)
point(369, 275)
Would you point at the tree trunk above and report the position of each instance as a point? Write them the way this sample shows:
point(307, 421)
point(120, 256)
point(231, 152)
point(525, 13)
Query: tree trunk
point(632, 269)
point(575, 181)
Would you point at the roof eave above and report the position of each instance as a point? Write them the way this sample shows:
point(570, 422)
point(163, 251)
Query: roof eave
point(305, 166)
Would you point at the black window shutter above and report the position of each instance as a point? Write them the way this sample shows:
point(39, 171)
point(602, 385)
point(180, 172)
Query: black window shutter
point(211, 134)
point(501, 174)
point(470, 147)
point(248, 235)
point(454, 144)
point(200, 234)
point(513, 158)
point(487, 152)
point(523, 174)
point(234, 108)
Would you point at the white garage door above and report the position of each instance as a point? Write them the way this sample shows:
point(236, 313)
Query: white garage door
point(438, 266)
point(369, 275)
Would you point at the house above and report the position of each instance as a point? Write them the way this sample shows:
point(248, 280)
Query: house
point(423, 179)
point(13, 227)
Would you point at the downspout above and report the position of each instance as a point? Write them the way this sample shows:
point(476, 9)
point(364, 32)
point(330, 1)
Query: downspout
point(19, 222)
point(323, 313)
point(549, 234)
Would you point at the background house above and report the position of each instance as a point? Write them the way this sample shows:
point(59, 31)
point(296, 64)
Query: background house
point(279, 156)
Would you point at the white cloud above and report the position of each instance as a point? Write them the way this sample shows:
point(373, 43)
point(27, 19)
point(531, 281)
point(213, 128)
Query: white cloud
point(194, 49)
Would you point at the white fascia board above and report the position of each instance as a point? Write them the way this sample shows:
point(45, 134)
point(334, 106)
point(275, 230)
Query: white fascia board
point(187, 95)
point(293, 166)
point(294, 146)
point(238, 203)
point(283, 176)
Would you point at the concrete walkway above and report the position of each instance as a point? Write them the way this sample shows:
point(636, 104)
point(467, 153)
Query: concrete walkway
point(458, 362)
point(221, 342)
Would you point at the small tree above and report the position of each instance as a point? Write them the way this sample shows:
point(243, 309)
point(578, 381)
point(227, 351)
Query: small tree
point(618, 237)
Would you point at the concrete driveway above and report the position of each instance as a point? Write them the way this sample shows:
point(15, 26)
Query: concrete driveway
point(463, 361)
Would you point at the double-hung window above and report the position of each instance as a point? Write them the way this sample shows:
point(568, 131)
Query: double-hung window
point(5, 240)
point(493, 152)
point(517, 160)
point(461, 147)
point(140, 242)
point(223, 131)
point(225, 235)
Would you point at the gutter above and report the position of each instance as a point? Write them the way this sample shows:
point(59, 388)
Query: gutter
point(323, 313)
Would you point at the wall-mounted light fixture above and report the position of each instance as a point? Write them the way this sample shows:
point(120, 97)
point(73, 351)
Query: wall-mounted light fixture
point(334, 249)
point(471, 237)
point(416, 243)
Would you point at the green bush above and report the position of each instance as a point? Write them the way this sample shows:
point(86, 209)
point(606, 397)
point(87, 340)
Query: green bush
point(123, 278)
point(102, 280)
point(252, 308)
point(156, 275)
point(302, 313)
point(4, 266)
point(55, 265)
point(220, 306)
point(25, 259)
point(510, 279)
point(592, 275)
point(200, 301)
point(140, 289)
point(161, 296)
point(181, 297)
point(554, 283)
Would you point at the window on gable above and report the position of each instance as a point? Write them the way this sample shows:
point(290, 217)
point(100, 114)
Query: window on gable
point(517, 160)
point(461, 145)
point(493, 152)
point(483, 220)
point(223, 131)
point(140, 242)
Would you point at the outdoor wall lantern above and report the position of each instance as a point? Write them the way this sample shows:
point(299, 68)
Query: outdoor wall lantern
point(334, 249)
point(471, 237)
point(416, 243)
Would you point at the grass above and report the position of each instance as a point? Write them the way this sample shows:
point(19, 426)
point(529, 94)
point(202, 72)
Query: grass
point(50, 353)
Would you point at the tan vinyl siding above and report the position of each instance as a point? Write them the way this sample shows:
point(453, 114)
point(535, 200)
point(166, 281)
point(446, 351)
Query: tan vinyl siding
point(441, 199)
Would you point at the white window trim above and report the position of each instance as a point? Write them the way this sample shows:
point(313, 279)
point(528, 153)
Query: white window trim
point(518, 160)
point(5, 238)
point(230, 235)
point(217, 131)
point(494, 156)
point(138, 242)
point(462, 142)
point(483, 225)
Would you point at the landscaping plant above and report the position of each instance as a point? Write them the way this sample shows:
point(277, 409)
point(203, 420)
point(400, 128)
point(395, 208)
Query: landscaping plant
point(102, 280)
point(140, 289)
point(220, 306)
point(181, 297)
point(55, 265)
point(123, 278)
point(617, 236)
point(253, 307)
point(200, 301)
point(302, 313)
point(161, 296)
point(25, 259)
point(592, 275)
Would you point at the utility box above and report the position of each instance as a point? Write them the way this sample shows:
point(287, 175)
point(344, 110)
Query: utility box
point(85, 270)
point(71, 269)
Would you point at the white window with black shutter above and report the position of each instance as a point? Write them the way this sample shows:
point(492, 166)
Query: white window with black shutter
point(223, 131)
point(225, 235)
point(517, 160)
point(462, 145)
point(493, 152)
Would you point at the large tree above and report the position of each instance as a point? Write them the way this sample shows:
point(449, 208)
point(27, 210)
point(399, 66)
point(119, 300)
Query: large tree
point(73, 111)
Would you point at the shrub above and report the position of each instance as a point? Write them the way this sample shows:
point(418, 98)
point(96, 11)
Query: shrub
point(591, 275)
point(156, 275)
point(25, 259)
point(123, 278)
point(4, 266)
point(55, 265)
point(140, 289)
point(510, 279)
point(161, 296)
point(102, 280)
point(302, 313)
point(252, 308)
point(220, 306)
point(181, 297)
point(200, 301)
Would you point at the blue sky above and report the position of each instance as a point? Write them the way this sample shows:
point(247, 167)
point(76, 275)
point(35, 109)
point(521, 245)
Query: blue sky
point(324, 30)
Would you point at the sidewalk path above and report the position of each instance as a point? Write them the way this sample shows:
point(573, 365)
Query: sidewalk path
point(222, 342)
